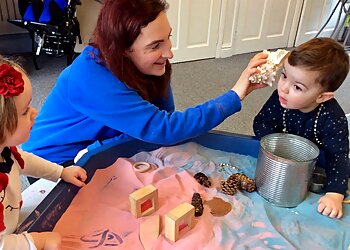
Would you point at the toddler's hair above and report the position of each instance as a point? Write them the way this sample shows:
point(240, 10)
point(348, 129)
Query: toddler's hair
point(8, 111)
point(326, 56)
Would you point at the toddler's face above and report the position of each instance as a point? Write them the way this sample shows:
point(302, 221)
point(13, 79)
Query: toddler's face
point(152, 48)
point(298, 88)
point(25, 113)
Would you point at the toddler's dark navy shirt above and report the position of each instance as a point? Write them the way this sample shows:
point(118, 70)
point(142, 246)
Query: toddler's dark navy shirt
point(332, 131)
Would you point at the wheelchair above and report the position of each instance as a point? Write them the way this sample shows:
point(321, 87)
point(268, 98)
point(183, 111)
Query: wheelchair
point(56, 38)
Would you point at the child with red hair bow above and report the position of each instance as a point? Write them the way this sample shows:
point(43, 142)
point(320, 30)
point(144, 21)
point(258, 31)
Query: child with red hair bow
point(16, 120)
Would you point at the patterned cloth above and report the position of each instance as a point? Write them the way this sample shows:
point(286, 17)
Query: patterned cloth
point(99, 216)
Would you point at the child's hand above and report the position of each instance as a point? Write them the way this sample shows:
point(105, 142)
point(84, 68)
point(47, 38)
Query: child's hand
point(331, 205)
point(75, 175)
point(243, 86)
point(47, 240)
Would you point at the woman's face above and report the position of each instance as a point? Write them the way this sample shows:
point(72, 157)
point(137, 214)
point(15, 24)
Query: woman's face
point(152, 48)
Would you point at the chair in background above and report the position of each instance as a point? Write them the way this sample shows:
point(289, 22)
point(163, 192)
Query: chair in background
point(54, 36)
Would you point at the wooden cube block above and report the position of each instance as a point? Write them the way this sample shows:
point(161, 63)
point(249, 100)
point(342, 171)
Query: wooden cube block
point(179, 221)
point(144, 201)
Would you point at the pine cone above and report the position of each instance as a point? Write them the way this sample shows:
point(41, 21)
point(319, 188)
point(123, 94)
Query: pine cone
point(234, 177)
point(245, 182)
point(198, 204)
point(234, 180)
point(228, 188)
point(202, 179)
point(249, 186)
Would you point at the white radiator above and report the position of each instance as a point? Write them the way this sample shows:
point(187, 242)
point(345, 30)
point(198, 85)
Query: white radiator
point(9, 10)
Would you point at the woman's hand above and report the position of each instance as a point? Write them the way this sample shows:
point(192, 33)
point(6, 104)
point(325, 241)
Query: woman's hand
point(243, 86)
point(47, 240)
point(331, 204)
point(75, 175)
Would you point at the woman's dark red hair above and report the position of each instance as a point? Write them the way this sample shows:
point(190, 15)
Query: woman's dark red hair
point(118, 25)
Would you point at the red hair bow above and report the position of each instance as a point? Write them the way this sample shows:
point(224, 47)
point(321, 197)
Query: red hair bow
point(11, 81)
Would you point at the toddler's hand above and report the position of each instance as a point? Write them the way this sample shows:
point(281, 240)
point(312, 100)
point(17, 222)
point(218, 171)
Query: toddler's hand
point(47, 240)
point(331, 205)
point(243, 86)
point(75, 175)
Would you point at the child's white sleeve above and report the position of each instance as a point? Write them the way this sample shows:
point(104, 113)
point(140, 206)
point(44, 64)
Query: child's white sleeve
point(23, 241)
point(38, 167)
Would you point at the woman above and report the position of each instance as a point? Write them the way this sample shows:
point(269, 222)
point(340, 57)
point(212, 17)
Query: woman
point(119, 88)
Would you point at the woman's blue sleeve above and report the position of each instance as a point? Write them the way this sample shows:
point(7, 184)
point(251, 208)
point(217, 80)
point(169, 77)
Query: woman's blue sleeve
point(107, 101)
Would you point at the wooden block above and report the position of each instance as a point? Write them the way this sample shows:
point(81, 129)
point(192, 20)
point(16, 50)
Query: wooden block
point(179, 221)
point(149, 231)
point(144, 201)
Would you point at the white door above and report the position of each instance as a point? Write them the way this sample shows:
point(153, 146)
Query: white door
point(195, 26)
point(314, 15)
point(87, 14)
point(9, 10)
point(260, 24)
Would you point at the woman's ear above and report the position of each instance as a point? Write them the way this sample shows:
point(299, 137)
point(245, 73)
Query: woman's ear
point(325, 96)
point(127, 52)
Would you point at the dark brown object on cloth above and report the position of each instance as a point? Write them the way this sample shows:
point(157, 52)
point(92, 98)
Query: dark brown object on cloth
point(237, 182)
point(202, 179)
point(228, 188)
point(242, 182)
point(198, 204)
point(234, 181)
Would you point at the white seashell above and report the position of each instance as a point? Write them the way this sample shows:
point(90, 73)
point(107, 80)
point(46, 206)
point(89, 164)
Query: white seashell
point(268, 70)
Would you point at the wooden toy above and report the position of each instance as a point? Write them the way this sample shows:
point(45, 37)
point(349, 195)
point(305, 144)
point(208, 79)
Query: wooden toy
point(179, 221)
point(144, 201)
point(149, 231)
point(141, 166)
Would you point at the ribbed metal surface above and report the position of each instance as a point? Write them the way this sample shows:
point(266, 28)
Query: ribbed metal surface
point(284, 168)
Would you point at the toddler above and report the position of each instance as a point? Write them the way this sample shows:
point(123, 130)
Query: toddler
point(16, 120)
point(304, 105)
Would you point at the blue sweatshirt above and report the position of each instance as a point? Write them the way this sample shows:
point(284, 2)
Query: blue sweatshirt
point(90, 106)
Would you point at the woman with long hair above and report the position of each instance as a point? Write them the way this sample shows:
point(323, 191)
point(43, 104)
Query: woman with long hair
point(118, 88)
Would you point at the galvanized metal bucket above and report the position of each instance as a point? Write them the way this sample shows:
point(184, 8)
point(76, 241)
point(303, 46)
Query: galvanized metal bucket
point(284, 168)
